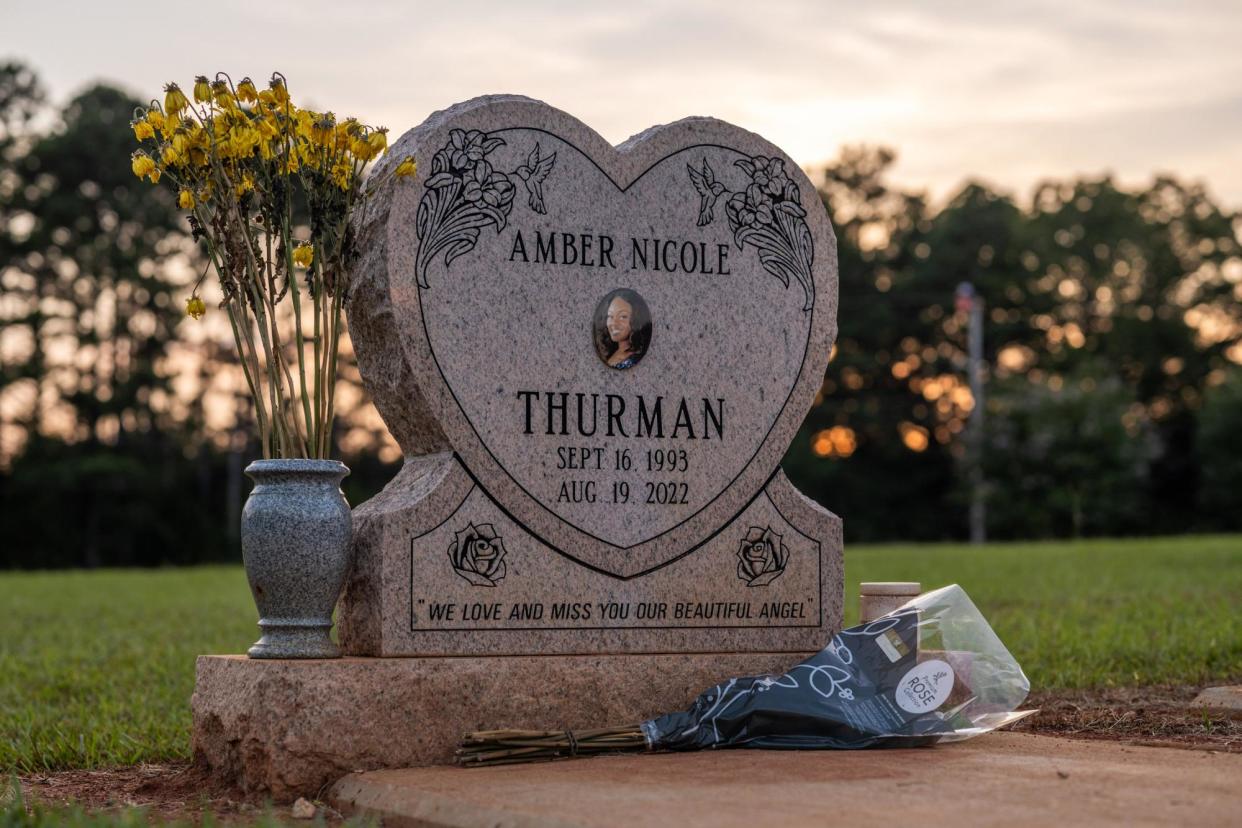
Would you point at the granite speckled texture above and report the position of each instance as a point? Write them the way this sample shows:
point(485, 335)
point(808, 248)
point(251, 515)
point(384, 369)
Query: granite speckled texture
point(387, 607)
point(552, 502)
point(290, 728)
point(295, 533)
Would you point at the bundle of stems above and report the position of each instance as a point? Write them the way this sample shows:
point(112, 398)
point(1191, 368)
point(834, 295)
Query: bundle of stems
point(508, 747)
point(269, 188)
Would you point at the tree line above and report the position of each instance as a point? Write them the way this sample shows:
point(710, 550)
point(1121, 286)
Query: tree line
point(1112, 318)
point(1112, 325)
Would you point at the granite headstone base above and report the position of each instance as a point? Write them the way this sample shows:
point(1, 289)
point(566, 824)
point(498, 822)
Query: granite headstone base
point(289, 728)
point(770, 580)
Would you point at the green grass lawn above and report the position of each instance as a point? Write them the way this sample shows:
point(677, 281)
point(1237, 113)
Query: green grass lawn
point(96, 669)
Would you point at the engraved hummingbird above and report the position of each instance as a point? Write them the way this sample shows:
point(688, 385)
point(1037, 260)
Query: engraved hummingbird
point(709, 190)
point(533, 172)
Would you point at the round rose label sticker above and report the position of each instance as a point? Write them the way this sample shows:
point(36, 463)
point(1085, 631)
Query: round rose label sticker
point(925, 687)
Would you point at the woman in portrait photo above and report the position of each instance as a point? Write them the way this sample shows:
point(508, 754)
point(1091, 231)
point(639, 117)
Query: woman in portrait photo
point(622, 329)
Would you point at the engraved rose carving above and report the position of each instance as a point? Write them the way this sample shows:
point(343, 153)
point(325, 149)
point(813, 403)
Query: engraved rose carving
point(761, 557)
point(478, 555)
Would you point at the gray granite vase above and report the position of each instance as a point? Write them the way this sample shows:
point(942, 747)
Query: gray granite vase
point(295, 534)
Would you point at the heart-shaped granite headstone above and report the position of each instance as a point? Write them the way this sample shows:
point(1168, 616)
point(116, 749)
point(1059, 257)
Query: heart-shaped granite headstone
point(618, 342)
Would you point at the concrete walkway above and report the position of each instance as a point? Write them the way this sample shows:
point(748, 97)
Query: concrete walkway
point(1001, 779)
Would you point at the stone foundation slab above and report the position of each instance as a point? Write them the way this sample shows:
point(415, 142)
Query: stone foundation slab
point(291, 728)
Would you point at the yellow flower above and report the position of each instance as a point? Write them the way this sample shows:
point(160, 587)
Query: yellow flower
point(303, 255)
point(185, 200)
point(195, 307)
point(321, 129)
point(219, 129)
point(306, 123)
point(143, 130)
point(196, 136)
point(378, 140)
point(246, 185)
point(174, 99)
point(142, 164)
point(341, 174)
point(155, 176)
point(349, 128)
point(279, 94)
point(359, 147)
point(224, 96)
point(243, 140)
point(155, 118)
point(171, 123)
point(202, 89)
point(171, 156)
point(267, 128)
point(246, 93)
point(407, 168)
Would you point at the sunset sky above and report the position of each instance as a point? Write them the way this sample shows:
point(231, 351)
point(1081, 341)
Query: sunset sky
point(1008, 92)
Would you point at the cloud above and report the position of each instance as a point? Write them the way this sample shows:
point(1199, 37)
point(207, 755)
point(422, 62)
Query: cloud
point(1011, 91)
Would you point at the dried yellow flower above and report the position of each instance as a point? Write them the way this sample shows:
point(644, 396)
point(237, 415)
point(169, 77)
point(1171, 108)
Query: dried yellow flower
point(185, 200)
point(174, 99)
point(142, 164)
point(143, 130)
point(224, 96)
point(303, 255)
point(279, 94)
point(243, 139)
point(321, 129)
point(407, 168)
point(202, 89)
point(378, 140)
point(246, 93)
point(246, 184)
point(195, 307)
point(172, 122)
point(341, 174)
point(360, 148)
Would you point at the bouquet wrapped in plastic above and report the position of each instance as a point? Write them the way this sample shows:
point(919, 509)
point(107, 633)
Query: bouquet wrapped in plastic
point(930, 671)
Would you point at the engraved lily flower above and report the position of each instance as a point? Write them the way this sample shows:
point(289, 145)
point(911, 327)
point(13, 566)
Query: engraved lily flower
point(770, 175)
point(485, 184)
point(467, 149)
point(769, 192)
point(466, 192)
point(751, 207)
point(767, 214)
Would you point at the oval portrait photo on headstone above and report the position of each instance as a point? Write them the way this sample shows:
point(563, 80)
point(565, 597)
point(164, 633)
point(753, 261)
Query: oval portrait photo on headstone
point(621, 329)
